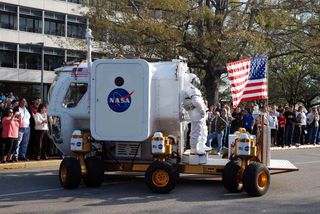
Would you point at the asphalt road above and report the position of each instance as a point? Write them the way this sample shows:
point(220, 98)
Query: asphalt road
point(39, 191)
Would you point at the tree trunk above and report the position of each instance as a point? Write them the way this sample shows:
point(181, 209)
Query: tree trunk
point(212, 89)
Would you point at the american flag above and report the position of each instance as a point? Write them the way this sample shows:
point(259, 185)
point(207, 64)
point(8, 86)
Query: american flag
point(248, 80)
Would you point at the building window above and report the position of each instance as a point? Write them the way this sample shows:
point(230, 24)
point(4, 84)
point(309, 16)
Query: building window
point(53, 58)
point(76, 1)
point(8, 16)
point(54, 24)
point(8, 55)
point(76, 27)
point(75, 56)
point(30, 57)
point(30, 20)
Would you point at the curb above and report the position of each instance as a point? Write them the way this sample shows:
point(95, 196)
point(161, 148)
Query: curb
point(296, 147)
point(31, 164)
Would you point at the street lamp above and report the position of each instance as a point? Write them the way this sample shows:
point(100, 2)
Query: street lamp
point(41, 44)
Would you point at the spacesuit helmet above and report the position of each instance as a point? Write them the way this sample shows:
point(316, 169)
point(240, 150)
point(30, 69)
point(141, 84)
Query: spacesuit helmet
point(194, 80)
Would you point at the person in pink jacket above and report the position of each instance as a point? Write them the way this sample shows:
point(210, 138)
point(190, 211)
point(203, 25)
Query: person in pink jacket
point(10, 132)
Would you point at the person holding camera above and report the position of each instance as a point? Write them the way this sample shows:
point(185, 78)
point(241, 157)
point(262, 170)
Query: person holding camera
point(10, 123)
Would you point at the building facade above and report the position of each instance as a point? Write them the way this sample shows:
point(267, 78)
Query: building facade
point(26, 25)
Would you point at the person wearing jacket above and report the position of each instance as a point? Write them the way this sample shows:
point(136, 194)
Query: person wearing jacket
point(10, 123)
point(218, 126)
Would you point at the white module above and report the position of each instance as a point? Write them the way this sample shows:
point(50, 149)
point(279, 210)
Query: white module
point(120, 98)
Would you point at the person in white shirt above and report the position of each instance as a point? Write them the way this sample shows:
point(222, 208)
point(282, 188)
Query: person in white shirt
point(273, 125)
point(24, 130)
point(303, 123)
point(41, 132)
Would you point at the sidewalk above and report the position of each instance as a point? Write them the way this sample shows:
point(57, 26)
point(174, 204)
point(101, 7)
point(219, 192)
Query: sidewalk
point(55, 163)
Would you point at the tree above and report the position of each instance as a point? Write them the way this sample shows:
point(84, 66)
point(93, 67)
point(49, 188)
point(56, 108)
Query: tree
point(293, 80)
point(208, 32)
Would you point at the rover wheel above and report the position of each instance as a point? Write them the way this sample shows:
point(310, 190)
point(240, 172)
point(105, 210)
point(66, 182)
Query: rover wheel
point(70, 173)
point(161, 177)
point(256, 179)
point(95, 172)
point(232, 177)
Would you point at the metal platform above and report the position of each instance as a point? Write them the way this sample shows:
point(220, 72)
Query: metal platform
point(281, 166)
point(215, 166)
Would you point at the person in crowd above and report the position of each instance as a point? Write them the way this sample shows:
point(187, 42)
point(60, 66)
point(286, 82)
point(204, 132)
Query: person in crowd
point(303, 125)
point(2, 97)
point(33, 110)
point(226, 114)
point(237, 121)
point(308, 128)
point(273, 108)
point(273, 125)
point(24, 130)
point(217, 129)
point(297, 133)
point(14, 104)
point(247, 120)
point(7, 103)
point(41, 132)
point(11, 96)
point(281, 129)
point(313, 123)
point(10, 132)
point(211, 114)
point(290, 118)
point(257, 125)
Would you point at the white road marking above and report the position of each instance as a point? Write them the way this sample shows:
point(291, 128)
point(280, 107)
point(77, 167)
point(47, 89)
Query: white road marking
point(30, 192)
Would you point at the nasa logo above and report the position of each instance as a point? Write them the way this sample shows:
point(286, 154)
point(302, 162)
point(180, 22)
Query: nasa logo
point(119, 99)
point(79, 144)
point(160, 146)
point(246, 148)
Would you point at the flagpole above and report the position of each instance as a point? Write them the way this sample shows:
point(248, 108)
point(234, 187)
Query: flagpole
point(266, 146)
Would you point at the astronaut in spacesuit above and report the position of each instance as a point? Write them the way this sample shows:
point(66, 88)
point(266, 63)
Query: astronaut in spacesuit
point(197, 110)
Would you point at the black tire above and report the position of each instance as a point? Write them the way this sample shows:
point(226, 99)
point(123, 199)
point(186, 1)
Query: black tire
point(161, 177)
point(95, 172)
point(256, 179)
point(70, 173)
point(177, 172)
point(232, 177)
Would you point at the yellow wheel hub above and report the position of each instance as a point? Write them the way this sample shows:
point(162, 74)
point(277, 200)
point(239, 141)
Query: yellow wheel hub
point(160, 178)
point(262, 179)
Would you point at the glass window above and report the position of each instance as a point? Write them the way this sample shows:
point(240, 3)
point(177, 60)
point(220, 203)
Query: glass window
point(8, 55)
point(53, 58)
point(75, 56)
point(54, 24)
point(76, 27)
point(74, 94)
point(30, 20)
point(75, 1)
point(8, 16)
point(30, 57)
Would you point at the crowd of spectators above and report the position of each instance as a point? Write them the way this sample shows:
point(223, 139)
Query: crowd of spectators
point(289, 126)
point(23, 128)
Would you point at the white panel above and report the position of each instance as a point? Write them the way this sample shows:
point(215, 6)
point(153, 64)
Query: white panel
point(120, 112)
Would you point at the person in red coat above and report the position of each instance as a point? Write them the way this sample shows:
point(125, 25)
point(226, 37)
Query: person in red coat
point(281, 129)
